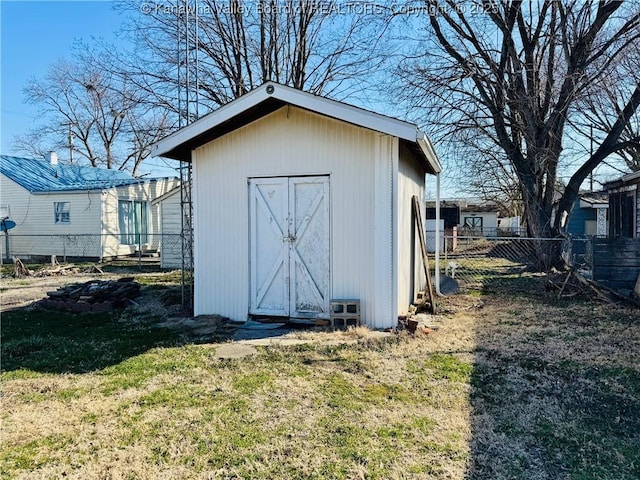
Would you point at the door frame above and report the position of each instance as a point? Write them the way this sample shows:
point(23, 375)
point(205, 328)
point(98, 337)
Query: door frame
point(289, 287)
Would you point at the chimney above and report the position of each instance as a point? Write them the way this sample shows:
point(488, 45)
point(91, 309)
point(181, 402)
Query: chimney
point(52, 157)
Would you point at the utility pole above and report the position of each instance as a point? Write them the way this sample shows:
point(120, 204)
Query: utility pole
point(591, 154)
point(70, 144)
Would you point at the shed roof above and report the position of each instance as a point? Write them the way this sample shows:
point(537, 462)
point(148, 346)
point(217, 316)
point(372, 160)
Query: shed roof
point(271, 96)
point(628, 179)
point(38, 176)
point(594, 200)
point(174, 191)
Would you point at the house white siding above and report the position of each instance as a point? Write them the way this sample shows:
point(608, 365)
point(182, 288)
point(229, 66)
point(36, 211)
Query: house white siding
point(294, 142)
point(37, 233)
point(142, 192)
point(92, 230)
point(489, 223)
point(411, 277)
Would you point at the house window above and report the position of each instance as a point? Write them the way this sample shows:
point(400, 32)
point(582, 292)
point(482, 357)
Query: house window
point(474, 224)
point(61, 212)
point(133, 222)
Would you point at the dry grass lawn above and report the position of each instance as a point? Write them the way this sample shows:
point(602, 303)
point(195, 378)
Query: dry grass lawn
point(513, 385)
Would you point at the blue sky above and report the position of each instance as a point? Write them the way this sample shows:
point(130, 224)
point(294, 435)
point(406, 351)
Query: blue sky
point(34, 34)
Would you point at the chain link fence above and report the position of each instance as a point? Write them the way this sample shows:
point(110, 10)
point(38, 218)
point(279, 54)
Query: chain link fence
point(471, 260)
point(163, 250)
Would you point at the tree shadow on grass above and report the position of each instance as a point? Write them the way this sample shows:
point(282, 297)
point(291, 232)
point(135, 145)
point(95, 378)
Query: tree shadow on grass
point(555, 387)
point(48, 341)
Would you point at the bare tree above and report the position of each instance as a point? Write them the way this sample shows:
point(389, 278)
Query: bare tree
point(512, 74)
point(94, 114)
point(598, 111)
point(492, 180)
point(209, 52)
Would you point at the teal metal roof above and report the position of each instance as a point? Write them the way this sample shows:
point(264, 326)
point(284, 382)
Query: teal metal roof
point(40, 176)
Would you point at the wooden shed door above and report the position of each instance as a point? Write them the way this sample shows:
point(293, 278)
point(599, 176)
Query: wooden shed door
point(289, 246)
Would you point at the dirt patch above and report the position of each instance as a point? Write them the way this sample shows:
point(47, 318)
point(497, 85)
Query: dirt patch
point(20, 292)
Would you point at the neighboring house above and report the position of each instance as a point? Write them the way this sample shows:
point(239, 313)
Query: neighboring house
point(298, 200)
point(448, 227)
point(478, 219)
point(472, 217)
point(449, 214)
point(589, 215)
point(78, 211)
point(624, 206)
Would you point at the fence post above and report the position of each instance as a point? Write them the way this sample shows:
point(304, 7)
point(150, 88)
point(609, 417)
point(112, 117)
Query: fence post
point(6, 246)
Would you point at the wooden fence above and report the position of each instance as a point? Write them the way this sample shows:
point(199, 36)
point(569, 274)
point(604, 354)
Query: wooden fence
point(616, 261)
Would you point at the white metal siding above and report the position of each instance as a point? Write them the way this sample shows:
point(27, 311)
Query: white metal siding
point(383, 233)
point(292, 142)
point(411, 278)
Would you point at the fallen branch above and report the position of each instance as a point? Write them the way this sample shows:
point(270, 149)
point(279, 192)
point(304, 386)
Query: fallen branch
point(574, 283)
point(564, 284)
point(19, 269)
point(593, 287)
point(57, 270)
point(94, 269)
point(617, 294)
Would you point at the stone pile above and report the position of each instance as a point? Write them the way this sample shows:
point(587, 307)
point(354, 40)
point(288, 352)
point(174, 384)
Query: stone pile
point(93, 296)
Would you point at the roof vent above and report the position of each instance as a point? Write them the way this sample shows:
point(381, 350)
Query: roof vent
point(52, 157)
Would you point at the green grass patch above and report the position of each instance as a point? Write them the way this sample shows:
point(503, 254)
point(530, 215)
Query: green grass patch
point(554, 397)
point(32, 455)
point(522, 388)
point(173, 277)
point(441, 367)
point(58, 342)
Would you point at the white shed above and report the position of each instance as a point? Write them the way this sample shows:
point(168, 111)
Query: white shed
point(298, 200)
point(171, 226)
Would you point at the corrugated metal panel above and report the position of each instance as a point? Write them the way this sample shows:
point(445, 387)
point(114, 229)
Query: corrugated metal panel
point(289, 142)
point(411, 278)
point(41, 176)
point(383, 306)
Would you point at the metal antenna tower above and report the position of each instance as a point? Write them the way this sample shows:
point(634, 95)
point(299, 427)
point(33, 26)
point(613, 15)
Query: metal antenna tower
point(185, 8)
point(186, 235)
